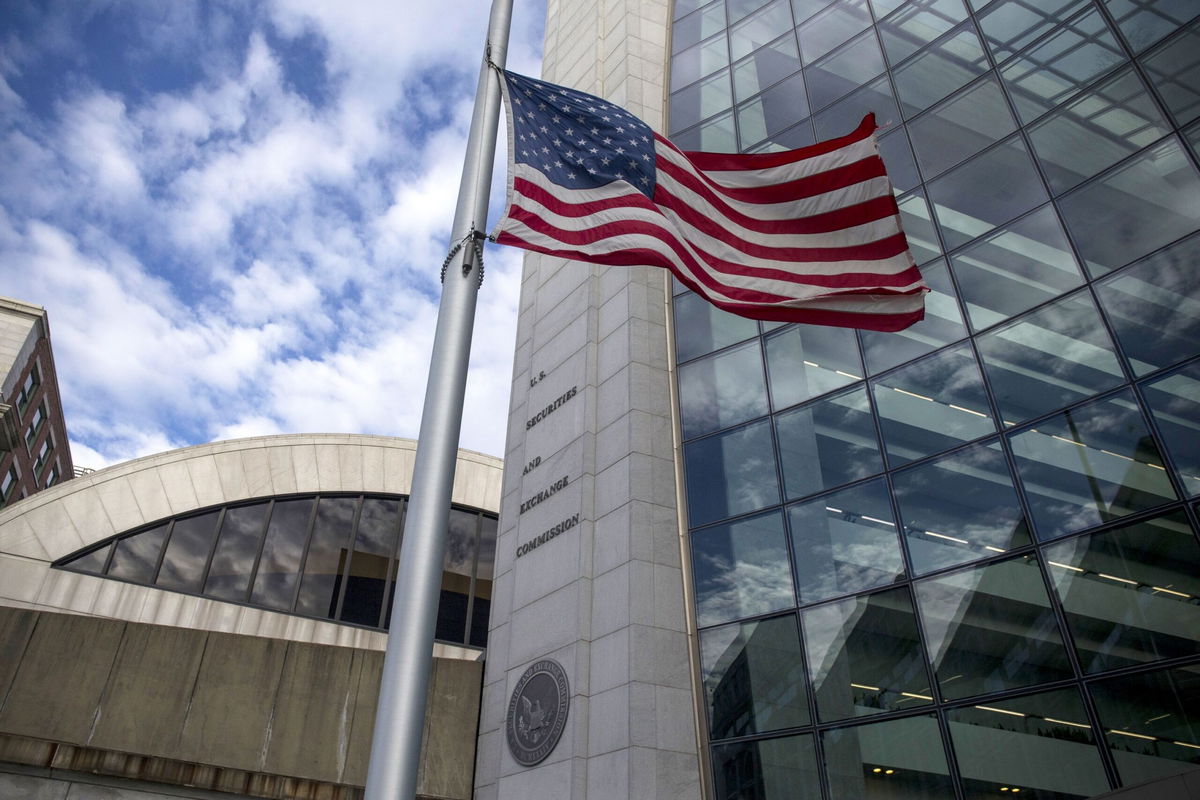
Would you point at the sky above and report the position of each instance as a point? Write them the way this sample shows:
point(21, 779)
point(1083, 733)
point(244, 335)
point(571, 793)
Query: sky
point(235, 213)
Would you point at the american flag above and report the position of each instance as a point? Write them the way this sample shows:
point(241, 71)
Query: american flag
point(810, 235)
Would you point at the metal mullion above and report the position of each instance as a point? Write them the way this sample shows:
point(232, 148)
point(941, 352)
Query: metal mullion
point(474, 570)
point(262, 542)
point(212, 549)
point(1174, 475)
point(345, 574)
point(312, 520)
point(162, 551)
point(952, 770)
point(389, 580)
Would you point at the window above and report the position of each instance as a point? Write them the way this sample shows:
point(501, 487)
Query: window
point(32, 381)
point(35, 425)
point(53, 477)
point(43, 455)
point(321, 556)
point(8, 484)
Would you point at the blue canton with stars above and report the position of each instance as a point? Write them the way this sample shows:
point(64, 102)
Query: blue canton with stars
point(577, 140)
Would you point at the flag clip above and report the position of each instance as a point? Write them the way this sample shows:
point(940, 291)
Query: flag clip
point(473, 255)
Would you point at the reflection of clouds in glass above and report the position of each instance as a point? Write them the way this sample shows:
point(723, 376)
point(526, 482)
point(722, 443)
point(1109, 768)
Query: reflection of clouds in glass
point(237, 545)
point(137, 556)
point(377, 526)
point(282, 550)
point(826, 630)
point(460, 542)
point(722, 390)
point(741, 589)
point(187, 550)
point(741, 569)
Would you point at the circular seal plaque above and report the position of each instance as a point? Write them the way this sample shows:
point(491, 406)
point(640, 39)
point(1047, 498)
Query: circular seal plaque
point(537, 712)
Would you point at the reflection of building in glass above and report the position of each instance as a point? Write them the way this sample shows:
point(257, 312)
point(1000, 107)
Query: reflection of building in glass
point(215, 617)
point(34, 452)
point(979, 530)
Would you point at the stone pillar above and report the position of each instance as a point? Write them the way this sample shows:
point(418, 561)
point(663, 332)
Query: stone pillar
point(588, 563)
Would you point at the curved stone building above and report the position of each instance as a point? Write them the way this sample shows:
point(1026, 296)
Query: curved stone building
point(214, 617)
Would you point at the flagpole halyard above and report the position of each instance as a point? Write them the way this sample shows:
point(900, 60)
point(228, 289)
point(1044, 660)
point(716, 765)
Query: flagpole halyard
point(400, 714)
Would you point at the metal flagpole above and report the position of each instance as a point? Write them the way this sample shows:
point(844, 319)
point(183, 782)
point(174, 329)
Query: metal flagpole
point(400, 715)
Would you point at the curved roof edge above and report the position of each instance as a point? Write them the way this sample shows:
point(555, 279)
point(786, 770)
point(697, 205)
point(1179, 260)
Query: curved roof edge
point(62, 519)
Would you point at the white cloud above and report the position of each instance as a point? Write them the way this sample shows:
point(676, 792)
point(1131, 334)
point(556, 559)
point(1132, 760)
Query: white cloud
point(238, 257)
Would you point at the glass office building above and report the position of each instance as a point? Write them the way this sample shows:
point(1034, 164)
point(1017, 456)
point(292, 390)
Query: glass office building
point(960, 560)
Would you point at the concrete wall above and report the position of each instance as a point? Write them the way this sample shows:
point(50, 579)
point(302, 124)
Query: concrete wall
point(254, 713)
point(604, 598)
point(58, 521)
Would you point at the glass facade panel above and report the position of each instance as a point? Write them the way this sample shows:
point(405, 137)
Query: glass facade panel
point(1038, 746)
point(1050, 358)
point(1144, 22)
point(283, 548)
point(457, 569)
point(716, 135)
point(1130, 594)
point(771, 769)
point(1174, 403)
point(764, 26)
point(897, 156)
point(731, 473)
point(963, 212)
point(959, 508)
point(765, 67)
point(826, 30)
point(806, 361)
point(940, 70)
point(1056, 67)
point(701, 100)
point(864, 656)
point(932, 405)
point(485, 567)
point(696, 62)
point(741, 569)
point(1151, 722)
point(961, 127)
point(237, 545)
point(1050, 193)
point(709, 328)
point(1011, 25)
point(827, 443)
point(991, 628)
point(1009, 272)
point(136, 557)
point(844, 542)
point(900, 759)
point(695, 28)
point(374, 547)
point(1154, 307)
point(325, 562)
point(918, 24)
point(844, 71)
point(187, 552)
point(1099, 128)
point(772, 112)
point(942, 324)
point(846, 114)
point(1135, 208)
point(917, 221)
point(722, 390)
point(753, 678)
point(1090, 465)
point(1174, 69)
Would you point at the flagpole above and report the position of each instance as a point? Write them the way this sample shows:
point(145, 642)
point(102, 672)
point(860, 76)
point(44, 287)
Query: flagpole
point(400, 714)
